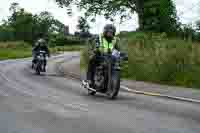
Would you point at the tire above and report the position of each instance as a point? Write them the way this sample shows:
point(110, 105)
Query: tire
point(37, 69)
point(115, 85)
point(32, 66)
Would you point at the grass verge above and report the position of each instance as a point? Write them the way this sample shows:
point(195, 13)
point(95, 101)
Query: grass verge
point(158, 59)
point(20, 49)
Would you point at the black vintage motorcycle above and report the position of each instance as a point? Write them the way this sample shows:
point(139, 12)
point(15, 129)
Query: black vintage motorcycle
point(107, 75)
point(39, 65)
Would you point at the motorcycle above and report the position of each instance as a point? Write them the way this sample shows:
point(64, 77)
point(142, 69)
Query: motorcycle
point(107, 75)
point(39, 65)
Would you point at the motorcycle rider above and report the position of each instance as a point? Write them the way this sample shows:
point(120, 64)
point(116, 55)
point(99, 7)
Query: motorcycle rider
point(103, 43)
point(40, 45)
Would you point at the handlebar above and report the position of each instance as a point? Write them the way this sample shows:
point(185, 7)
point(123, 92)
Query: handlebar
point(123, 56)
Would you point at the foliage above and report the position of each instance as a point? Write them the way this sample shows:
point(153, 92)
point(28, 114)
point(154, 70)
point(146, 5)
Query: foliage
point(154, 15)
point(156, 58)
point(108, 8)
point(160, 16)
point(83, 25)
point(22, 25)
point(61, 40)
point(13, 50)
point(21, 49)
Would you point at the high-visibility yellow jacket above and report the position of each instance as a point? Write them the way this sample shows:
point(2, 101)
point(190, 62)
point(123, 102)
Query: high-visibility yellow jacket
point(104, 45)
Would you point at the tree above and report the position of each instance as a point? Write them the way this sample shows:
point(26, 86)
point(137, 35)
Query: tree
point(21, 21)
point(6, 33)
point(14, 8)
point(168, 17)
point(154, 15)
point(45, 20)
point(108, 8)
point(48, 23)
point(22, 25)
point(83, 25)
point(57, 27)
point(197, 30)
point(188, 32)
point(160, 16)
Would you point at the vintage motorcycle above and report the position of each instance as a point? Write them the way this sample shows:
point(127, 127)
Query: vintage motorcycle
point(107, 74)
point(39, 65)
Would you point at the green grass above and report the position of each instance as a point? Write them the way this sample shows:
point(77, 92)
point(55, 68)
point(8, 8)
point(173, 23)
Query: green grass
point(14, 54)
point(156, 58)
point(14, 50)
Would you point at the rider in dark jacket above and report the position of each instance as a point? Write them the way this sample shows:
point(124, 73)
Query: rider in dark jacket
point(40, 45)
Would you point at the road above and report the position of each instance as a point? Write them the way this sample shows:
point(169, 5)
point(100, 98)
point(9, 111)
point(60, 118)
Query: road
point(52, 103)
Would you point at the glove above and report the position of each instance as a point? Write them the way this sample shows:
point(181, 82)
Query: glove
point(116, 53)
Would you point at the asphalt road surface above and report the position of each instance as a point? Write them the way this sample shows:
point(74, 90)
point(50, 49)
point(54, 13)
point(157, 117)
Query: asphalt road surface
point(51, 103)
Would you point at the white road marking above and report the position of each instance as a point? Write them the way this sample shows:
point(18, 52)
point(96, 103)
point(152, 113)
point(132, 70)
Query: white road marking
point(161, 95)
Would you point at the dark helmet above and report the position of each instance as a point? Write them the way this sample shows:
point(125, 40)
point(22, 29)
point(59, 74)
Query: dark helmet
point(109, 28)
point(42, 42)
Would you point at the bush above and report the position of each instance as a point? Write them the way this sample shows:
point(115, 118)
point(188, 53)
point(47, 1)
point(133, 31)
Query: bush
point(13, 50)
point(14, 45)
point(159, 59)
point(6, 34)
point(61, 40)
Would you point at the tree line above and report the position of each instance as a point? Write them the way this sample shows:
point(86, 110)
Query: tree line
point(23, 25)
point(154, 15)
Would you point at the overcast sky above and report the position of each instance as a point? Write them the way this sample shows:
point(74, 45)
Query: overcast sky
point(188, 11)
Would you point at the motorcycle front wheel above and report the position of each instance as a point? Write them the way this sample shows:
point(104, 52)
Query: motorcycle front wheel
point(115, 85)
point(38, 68)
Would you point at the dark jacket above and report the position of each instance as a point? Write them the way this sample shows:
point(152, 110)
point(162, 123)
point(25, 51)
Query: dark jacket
point(39, 47)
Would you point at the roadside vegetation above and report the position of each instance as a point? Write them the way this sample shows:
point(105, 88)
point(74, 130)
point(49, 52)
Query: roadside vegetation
point(20, 30)
point(157, 58)
point(13, 50)
point(21, 49)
